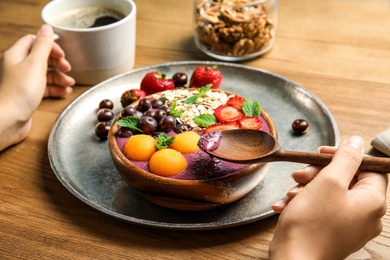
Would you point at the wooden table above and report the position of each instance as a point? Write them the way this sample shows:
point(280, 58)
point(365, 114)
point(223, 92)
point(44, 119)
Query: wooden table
point(337, 49)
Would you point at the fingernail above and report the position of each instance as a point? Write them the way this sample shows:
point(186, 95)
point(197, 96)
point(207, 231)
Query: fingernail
point(68, 90)
point(45, 30)
point(294, 190)
point(279, 203)
point(356, 142)
point(322, 147)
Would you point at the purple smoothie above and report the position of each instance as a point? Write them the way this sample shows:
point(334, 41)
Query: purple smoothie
point(200, 165)
point(210, 141)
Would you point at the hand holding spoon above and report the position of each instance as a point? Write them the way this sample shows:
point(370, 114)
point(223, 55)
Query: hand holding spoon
point(253, 146)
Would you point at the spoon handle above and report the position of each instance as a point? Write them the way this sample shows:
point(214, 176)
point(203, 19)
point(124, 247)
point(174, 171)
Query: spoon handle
point(372, 164)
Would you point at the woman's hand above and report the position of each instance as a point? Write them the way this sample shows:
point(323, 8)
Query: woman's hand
point(333, 211)
point(25, 80)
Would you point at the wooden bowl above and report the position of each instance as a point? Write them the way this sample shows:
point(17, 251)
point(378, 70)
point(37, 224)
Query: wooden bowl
point(190, 195)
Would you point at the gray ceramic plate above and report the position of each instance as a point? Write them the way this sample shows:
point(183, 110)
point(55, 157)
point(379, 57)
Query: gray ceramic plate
point(83, 164)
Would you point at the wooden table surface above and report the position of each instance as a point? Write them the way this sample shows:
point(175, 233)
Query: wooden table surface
point(337, 49)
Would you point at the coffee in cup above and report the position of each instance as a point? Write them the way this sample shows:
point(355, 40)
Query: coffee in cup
point(98, 36)
point(88, 17)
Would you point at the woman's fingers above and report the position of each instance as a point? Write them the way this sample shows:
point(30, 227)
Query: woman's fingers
point(59, 64)
point(306, 175)
point(55, 77)
point(56, 51)
point(347, 160)
point(279, 206)
point(58, 84)
point(57, 91)
point(294, 191)
point(57, 59)
point(327, 149)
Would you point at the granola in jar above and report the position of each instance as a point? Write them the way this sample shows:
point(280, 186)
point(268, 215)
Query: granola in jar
point(235, 30)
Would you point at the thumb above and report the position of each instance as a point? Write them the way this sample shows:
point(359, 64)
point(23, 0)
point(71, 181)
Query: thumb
point(346, 161)
point(42, 46)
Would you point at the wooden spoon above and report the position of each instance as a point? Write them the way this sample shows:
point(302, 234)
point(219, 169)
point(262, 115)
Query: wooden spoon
point(253, 146)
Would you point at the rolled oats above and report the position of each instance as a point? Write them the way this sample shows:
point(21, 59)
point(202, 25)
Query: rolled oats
point(235, 28)
point(204, 105)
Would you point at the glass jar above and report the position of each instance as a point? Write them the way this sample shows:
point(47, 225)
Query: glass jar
point(235, 30)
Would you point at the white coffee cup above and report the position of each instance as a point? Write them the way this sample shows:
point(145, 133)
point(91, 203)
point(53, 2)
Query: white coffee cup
point(96, 53)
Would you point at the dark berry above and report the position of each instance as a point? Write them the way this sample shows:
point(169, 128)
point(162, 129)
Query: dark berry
point(102, 129)
point(147, 124)
point(180, 128)
point(300, 126)
point(167, 123)
point(144, 104)
point(164, 99)
point(160, 113)
point(104, 115)
point(158, 103)
point(149, 113)
point(166, 108)
point(138, 114)
point(179, 79)
point(106, 103)
point(128, 111)
point(124, 132)
point(156, 133)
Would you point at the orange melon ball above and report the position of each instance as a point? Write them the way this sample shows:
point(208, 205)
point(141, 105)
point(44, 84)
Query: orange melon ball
point(167, 162)
point(140, 147)
point(186, 142)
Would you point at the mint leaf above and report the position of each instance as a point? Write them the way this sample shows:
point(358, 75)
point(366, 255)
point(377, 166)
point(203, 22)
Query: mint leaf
point(251, 108)
point(205, 120)
point(130, 122)
point(174, 112)
point(192, 99)
point(202, 92)
point(164, 141)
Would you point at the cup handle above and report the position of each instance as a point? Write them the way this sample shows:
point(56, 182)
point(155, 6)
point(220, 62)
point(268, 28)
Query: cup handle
point(56, 36)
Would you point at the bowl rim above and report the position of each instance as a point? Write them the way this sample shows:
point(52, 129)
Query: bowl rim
point(121, 158)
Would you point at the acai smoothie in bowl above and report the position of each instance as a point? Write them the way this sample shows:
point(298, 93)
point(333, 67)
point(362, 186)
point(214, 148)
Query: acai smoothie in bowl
point(154, 144)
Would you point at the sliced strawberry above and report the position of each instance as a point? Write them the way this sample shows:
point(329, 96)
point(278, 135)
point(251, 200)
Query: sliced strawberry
point(226, 113)
point(236, 101)
point(250, 122)
point(222, 126)
point(131, 95)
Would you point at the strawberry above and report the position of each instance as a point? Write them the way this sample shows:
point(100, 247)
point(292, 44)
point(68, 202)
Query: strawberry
point(222, 126)
point(250, 122)
point(132, 95)
point(206, 75)
point(156, 81)
point(226, 113)
point(236, 102)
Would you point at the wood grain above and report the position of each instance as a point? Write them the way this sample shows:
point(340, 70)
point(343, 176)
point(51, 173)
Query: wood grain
point(337, 49)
